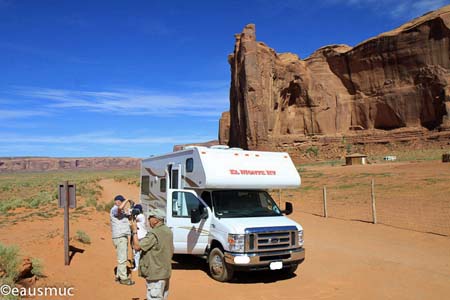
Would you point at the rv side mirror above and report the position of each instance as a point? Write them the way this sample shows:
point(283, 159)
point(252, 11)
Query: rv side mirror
point(289, 208)
point(204, 213)
point(196, 216)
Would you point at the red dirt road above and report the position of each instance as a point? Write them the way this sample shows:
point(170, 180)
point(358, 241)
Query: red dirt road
point(344, 260)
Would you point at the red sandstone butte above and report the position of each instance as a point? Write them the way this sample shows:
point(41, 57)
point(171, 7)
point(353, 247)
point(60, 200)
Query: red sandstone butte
point(394, 85)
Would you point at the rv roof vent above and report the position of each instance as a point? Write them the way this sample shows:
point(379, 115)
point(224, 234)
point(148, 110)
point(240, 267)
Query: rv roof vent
point(219, 147)
point(236, 149)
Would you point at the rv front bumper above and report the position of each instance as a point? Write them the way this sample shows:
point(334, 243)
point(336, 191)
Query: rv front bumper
point(262, 260)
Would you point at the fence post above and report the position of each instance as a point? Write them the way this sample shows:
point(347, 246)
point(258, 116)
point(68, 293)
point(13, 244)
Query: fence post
point(279, 197)
point(374, 210)
point(325, 211)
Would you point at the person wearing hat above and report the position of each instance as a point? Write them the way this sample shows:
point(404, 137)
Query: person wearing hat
point(141, 233)
point(156, 255)
point(120, 230)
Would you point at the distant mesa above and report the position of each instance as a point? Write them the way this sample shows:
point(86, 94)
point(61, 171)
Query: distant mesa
point(38, 164)
point(392, 87)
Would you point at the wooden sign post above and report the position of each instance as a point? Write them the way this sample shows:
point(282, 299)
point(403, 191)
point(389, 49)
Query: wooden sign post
point(67, 199)
point(374, 210)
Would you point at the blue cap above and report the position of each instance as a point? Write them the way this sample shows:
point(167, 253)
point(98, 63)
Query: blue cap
point(120, 198)
point(138, 206)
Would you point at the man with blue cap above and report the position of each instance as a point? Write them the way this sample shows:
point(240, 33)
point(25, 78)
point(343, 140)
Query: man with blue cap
point(120, 230)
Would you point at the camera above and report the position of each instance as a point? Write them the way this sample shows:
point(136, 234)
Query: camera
point(135, 210)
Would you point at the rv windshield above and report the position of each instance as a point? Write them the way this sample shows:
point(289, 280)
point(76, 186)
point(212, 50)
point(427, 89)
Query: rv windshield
point(241, 204)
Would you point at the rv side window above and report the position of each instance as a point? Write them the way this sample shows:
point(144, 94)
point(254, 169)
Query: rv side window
point(183, 203)
point(189, 165)
point(145, 180)
point(162, 185)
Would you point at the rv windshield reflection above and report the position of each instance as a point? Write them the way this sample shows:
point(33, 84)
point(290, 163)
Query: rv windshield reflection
point(242, 204)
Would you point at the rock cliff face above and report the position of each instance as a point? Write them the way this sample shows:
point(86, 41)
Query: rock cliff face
point(51, 164)
point(397, 81)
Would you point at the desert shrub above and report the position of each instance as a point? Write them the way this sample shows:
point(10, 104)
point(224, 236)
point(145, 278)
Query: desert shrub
point(25, 184)
point(83, 237)
point(42, 198)
point(91, 201)
point(46, 214)
point(108, 206)
point(9, 263)
point(348, 148)
point(89, 189)
point(301, 169)
point(37, 267)
point(313, 175)
point(131, 177)
point(9, 204)
point(313, 150)
point(6, 188)
point(100, 207)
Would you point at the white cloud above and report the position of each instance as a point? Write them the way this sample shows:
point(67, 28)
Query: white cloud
point(206, 84)
point(46, 54)
point(6, 114)
point(427, 5)
point(131, 102)
point(413, 9)
point(14, 150)
point(98, 138)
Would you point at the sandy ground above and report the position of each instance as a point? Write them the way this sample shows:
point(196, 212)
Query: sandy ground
point(408, 195)
point(344, 260)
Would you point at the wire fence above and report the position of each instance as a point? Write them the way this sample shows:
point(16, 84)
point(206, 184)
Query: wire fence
point(421, 206)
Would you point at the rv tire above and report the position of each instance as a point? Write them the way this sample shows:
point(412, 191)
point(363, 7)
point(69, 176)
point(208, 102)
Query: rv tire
point(218, 268)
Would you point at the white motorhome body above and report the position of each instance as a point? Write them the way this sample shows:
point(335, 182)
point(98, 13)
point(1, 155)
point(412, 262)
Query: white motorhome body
point(226, 191)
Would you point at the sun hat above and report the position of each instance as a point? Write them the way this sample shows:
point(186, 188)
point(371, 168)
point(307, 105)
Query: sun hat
point(157, 213)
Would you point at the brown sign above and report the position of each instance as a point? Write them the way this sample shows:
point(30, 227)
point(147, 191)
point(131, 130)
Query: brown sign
point(62, 194)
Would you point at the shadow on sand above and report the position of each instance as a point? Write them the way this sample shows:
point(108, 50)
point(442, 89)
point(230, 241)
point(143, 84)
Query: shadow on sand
point(190, 262)
point(74, 250)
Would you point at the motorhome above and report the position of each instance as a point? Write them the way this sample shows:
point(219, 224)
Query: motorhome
point(218, 206)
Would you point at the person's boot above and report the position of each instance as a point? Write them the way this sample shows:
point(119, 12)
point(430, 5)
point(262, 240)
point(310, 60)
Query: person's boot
point(126, 282)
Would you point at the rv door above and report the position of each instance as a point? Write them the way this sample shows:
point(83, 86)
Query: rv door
point(188, 237)
point(175, 176)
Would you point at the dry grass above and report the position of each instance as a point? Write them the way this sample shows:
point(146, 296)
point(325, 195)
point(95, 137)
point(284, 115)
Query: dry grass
point(411, 195)
point(21, 194)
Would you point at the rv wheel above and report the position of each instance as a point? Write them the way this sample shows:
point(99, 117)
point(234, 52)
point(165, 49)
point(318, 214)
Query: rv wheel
point(218, 269)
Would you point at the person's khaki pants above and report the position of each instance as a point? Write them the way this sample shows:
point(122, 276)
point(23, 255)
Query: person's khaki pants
point(121, 245)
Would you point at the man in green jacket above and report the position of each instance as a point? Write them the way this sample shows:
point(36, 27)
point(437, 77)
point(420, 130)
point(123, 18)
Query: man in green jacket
point(156, 249)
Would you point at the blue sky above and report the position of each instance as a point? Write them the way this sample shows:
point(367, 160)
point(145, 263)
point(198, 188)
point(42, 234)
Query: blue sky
point(133, 78)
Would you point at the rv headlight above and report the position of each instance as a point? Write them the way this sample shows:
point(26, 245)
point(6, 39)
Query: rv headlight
point(300, 238)
point(236, 242)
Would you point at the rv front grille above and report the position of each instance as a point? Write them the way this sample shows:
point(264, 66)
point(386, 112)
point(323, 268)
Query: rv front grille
point(271, 238)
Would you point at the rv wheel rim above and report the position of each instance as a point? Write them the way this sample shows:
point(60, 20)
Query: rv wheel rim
point(217, 265)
